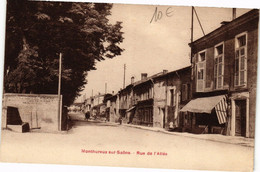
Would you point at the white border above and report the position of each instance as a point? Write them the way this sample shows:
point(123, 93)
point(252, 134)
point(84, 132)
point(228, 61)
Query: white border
point(203, 3)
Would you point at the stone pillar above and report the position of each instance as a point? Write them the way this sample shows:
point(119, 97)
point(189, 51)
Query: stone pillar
point(233, 118)
point(247, 117)
point(4, 117)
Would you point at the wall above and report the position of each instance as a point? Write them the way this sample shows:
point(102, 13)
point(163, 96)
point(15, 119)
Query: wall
point(40, 111)
point(175, 81)
point(159, 102)
point(164, 113)
point(252, 78)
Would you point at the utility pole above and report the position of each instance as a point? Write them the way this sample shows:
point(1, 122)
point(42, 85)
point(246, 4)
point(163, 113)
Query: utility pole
point(124, 76)
point(191, 40)
point(59, 96)
point(105, 88)
point(191, 37)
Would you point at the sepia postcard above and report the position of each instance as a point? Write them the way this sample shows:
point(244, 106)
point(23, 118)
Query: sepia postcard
point(130, 85)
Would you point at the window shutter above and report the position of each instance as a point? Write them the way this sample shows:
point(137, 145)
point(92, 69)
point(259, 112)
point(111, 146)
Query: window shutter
point(200, 77)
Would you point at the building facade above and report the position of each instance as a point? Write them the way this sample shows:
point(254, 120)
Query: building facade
point(171, 92)
point(156, 100)
point(112, 103)
point(224, 76)
point(143, 102)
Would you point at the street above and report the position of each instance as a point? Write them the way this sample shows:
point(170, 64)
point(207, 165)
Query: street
point(108, 144)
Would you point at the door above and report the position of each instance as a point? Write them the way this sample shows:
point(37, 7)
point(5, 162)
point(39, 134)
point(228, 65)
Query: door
point(240, 125)
point(164, 120)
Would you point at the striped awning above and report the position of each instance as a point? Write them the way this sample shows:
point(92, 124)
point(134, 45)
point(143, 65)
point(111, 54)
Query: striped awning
point(207, 104)
point(221, 110)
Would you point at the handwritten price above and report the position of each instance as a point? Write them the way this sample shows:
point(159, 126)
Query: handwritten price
point(158, 15)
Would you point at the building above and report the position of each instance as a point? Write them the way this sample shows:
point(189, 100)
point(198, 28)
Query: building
point(125, 97)
point(112, 103)
point(157, 99)
point(143, 101)
point(88, 103)
point(224, 75)
point(171, 93)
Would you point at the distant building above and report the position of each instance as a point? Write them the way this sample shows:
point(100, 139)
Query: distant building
point(96, 105)
point(88, 103)
point(125, 97)
point(224, 75)
point(155, 101)
point(112, 103)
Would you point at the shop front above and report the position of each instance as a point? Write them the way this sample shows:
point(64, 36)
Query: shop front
point(205, 115)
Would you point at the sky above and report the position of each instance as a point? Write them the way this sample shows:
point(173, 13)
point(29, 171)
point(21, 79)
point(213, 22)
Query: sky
point(150, 45)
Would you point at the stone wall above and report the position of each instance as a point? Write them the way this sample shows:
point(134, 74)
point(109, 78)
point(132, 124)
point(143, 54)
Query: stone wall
point(40, 111)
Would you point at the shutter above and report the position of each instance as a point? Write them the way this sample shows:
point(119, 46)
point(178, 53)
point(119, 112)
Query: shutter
point(200, 76)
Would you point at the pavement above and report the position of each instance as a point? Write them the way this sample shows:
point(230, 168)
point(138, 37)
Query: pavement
point(235, 140)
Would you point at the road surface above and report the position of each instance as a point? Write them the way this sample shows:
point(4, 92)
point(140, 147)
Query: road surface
point(106, 144)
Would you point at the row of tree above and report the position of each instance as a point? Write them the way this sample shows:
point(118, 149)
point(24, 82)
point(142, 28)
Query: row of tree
point(36, 32)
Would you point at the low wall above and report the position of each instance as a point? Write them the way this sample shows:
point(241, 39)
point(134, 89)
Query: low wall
point(39, 110)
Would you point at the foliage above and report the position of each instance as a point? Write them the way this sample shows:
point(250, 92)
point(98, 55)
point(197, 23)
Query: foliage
point(37, 32)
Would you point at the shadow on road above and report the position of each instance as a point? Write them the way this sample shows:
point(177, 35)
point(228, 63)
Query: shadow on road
point(78, 123)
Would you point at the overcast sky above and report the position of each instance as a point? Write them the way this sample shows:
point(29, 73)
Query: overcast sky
point(153, 46)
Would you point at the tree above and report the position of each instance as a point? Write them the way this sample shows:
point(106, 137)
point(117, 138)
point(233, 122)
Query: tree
point(36, 32)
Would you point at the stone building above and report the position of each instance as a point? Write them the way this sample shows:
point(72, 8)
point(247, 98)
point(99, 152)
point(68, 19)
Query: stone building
point(224, 76)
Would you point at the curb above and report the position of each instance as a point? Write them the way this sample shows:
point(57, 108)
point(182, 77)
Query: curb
point(172, 133)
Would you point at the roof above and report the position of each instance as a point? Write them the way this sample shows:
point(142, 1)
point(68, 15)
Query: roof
point(172, 72)
point(111, 97)
point(160, 74)
point(239, 20)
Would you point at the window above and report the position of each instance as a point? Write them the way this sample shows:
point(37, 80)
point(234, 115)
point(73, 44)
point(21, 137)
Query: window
point(201, 65)
point(219, 66)
point(241, 60)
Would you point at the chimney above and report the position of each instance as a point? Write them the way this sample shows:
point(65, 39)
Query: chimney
point(143, 76)
point(165, 71)
point(234, 13)
point(132, 79)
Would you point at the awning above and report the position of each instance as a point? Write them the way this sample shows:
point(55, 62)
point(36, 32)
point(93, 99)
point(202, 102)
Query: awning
point(207, 104)
point(131, 108)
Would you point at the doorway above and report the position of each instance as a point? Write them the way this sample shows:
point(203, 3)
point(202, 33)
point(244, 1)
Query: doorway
point(240, 111)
